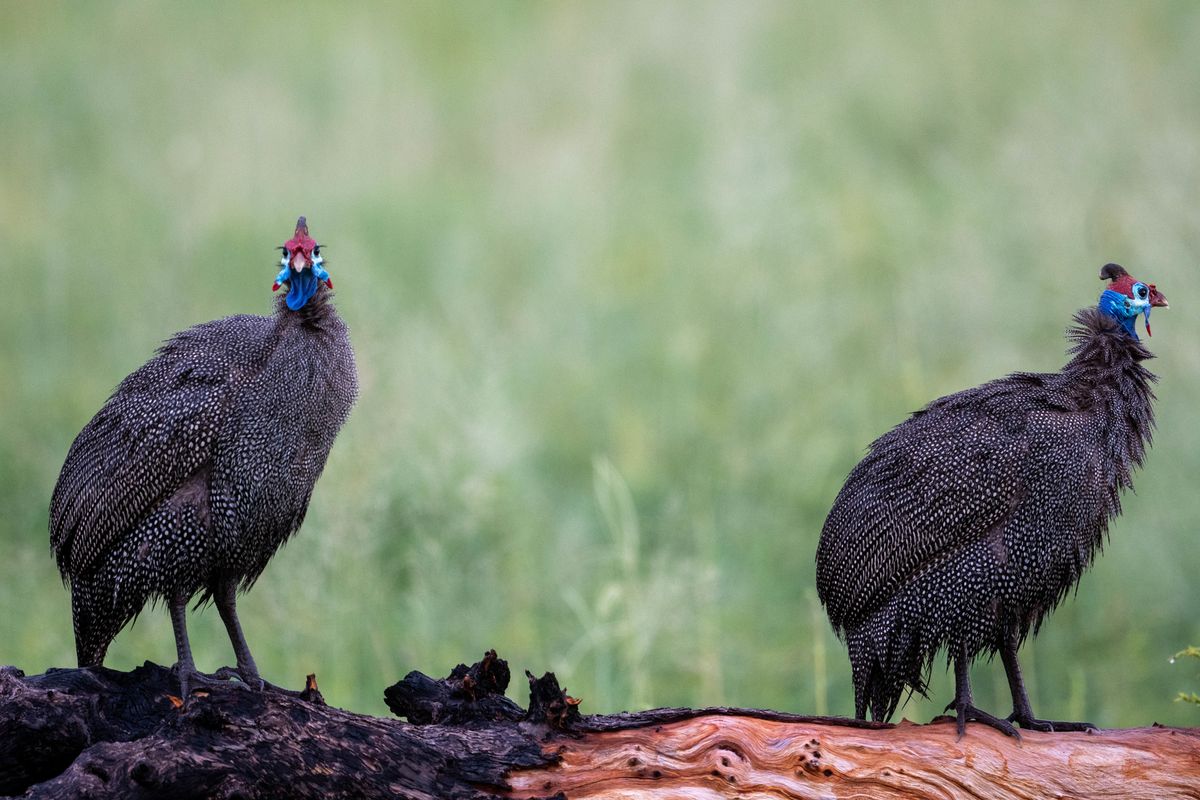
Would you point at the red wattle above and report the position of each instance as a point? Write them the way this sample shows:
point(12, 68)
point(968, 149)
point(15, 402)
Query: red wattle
point(329, 282)
point(275, 286)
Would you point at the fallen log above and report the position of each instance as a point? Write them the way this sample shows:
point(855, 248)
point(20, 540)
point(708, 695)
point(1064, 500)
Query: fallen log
point(101, 733)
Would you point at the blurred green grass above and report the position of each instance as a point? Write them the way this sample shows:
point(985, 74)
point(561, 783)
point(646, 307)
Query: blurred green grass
point(632, 287)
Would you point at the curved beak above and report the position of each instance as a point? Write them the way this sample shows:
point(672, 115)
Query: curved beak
point(300, 261)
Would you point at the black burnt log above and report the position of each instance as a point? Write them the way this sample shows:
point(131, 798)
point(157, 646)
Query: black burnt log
point(551, 705)
point(99, 733)
point(467, 694)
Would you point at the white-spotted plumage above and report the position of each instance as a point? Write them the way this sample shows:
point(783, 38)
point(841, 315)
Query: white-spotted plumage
point(200, 465)
point(969, 522)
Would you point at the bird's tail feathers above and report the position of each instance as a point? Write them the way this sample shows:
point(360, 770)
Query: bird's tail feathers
point(885, 669)
point(99, 612)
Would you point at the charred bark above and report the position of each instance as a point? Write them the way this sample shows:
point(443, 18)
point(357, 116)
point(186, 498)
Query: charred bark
point(101, 733)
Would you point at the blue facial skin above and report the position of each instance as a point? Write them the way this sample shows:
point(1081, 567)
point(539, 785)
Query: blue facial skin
point(301, 285)
point(1125, 309)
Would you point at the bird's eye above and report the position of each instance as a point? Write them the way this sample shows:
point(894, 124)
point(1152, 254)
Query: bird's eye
point(317, 250)
point(1142, 291)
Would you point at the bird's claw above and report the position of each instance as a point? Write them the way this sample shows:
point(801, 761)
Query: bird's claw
point(192, 679)
point(965, 712)
point(242, 677)
point(1028, 722)
point(248, 678)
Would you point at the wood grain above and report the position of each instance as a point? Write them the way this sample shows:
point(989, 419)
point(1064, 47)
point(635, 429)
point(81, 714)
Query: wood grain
point(739, 756)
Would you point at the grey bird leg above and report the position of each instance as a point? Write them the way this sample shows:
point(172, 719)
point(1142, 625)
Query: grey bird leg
point(185, 667)
point(1022, 712)
point(226, 600)
point(963, 704)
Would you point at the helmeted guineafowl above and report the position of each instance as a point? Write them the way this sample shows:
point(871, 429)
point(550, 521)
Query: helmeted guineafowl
point(202, 463)
point(965, 525)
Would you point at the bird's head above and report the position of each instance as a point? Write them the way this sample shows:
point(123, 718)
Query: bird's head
point(303, 268)
point(1126, 297)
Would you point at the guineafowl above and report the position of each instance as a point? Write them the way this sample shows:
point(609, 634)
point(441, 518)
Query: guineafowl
point(201, 464)
point(965, 525)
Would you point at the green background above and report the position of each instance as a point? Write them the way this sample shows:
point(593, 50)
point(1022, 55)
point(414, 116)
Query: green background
point(632, 287)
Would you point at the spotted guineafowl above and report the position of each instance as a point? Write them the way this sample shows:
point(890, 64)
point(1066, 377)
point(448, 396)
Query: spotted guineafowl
point(202, 463)
point(965, 525)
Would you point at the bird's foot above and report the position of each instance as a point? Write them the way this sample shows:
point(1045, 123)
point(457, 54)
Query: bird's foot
point(965, 712)
point(1028, 722)
point(244, 676)
point(249, 677)
point(191, 679)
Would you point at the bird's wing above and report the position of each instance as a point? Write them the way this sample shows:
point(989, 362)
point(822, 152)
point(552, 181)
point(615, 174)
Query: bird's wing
point(159, 427)
point(942, 479)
